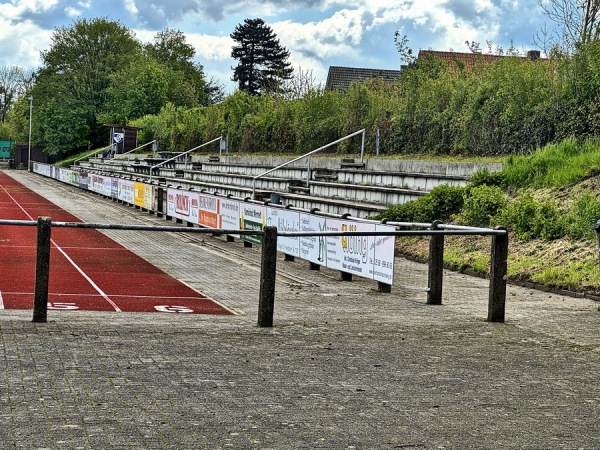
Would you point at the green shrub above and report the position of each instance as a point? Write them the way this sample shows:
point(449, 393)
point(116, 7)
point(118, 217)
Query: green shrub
point(440, 204)
point(584, 214)
point(530, 219)
point(485, 176)
point(481, 205)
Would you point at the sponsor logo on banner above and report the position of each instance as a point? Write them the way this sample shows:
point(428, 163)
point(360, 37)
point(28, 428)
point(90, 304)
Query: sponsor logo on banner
point(313, 248)
point(230, 214)
point(253, 218)
point(285, 220)
point(208, 211)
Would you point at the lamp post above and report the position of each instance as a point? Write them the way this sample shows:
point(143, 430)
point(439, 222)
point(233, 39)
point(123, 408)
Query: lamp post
point(30, 113)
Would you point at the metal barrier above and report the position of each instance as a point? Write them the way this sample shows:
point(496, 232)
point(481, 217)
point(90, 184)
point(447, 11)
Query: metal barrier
point(308, 155)
point(436, 231)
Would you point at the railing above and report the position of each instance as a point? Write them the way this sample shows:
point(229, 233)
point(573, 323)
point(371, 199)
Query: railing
point(436, 231)
point(182, 154)
point(93, 153)
point(308, 155)
point(118, 156)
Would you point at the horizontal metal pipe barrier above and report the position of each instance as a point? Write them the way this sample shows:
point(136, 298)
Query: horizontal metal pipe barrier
point(464, 231)
point(498, 271)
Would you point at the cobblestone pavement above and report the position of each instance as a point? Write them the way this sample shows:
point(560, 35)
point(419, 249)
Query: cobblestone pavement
point(344, 367)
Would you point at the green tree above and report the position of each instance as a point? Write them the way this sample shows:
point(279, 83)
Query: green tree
point(263, 61)
point(139, 89)
point(171, 50)
point(76, 75)
point(13, 83)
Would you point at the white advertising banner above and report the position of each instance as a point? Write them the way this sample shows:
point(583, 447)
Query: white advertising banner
point(230, 214)
point(285, 220)
point(383, 263)
point(182, 205)
point(150, 197)
point(126, 192)
point(313, 248)
point(107, 186)
point(351, 254)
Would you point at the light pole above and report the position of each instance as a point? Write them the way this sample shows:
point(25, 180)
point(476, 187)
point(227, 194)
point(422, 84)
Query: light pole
point(30, 98)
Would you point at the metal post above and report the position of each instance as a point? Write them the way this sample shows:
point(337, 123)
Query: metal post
point(498, 275)
point(436, 267)
point(362, 147)
point(268, 269)
point(42, 270)
point(160, 194)
point(30, 117)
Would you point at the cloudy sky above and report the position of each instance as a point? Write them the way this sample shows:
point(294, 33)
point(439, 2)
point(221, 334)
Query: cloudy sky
point(318, 33)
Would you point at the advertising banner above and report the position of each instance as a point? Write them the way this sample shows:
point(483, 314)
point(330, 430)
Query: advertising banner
point(114, 188)
point(138, 194)
point(383, 263)
point(285, 220)
point(351, 254)
point(126, 191)
point(209, 211)
point(313, 248)
point(182, 205)
point(150, 197)
point(83, 180)
point(230, 214)
point(253, 218)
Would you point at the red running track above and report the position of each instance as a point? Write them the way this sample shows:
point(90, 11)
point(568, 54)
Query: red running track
point(88, 270)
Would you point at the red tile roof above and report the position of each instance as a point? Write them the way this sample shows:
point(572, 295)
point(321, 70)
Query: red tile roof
point(457, 60)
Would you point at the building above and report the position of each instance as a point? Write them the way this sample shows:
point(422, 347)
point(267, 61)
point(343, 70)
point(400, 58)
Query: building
point(122, 138)
point(458, 61)
point(340, 78)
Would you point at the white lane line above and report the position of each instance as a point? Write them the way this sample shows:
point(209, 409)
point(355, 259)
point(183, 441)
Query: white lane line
point(89, 280)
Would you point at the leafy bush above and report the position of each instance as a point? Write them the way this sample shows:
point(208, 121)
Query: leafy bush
point(440, 204)
point(530, 219)
point(485, 176)
point(583, 215)
point(481, 205)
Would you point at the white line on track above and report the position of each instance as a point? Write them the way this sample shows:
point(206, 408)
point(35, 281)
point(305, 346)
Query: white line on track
point(89, 280)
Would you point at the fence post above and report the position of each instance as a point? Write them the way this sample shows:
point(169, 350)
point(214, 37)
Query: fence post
point(160, 198)
point(436, 267)
point(42, 270)
point(498, 275)
point(268, 268)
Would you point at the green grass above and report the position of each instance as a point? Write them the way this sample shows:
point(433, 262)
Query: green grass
point(572, 276)
point(555, 165)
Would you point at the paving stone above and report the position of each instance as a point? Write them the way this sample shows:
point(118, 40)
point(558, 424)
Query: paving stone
point(344, 367)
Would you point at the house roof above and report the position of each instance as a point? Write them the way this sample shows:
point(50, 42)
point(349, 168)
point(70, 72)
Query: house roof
point(340, 78)
point(457, 60)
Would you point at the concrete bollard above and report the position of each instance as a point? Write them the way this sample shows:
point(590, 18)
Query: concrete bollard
point(42, 270)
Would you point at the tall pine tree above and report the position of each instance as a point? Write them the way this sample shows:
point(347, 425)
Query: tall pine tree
point(263, 62)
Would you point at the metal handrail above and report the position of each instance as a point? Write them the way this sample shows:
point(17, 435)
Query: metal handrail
point(135, 149)
point(362, 152)
point(89, 155)
point(182, 154)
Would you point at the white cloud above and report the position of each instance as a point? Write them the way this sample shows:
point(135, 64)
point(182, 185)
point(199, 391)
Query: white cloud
point(213, 48)
point(131, 7)
point(18, 8)
point(20, 44)
point(72, 12)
